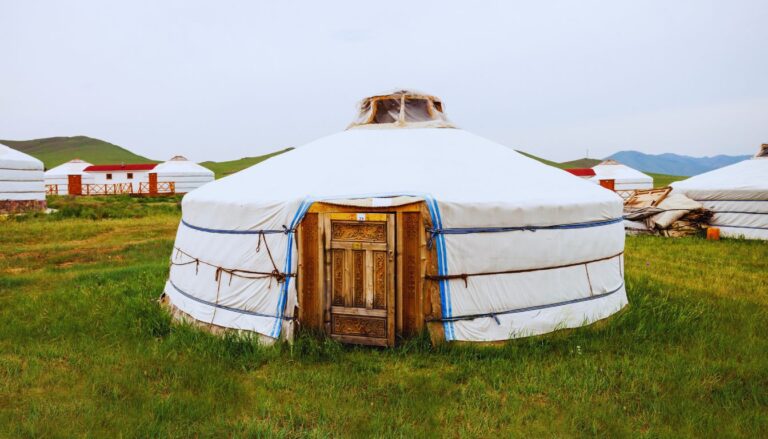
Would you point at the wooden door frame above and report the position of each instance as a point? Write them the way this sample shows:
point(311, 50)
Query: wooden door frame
point(411, 312)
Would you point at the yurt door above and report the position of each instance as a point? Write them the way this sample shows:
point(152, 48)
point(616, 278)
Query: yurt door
point(360, 276)
point(75, 184)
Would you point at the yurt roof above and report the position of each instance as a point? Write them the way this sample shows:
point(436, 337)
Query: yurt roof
point(13, 159)
point(450, 165)
point(747, 179)
point(612, 170)
point(180, 165)
point(71, 167)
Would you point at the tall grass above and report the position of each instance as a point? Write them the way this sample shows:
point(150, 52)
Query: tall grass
point(85, 349)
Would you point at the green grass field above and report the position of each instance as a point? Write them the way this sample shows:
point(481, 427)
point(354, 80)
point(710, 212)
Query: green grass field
point(663, 180)
point(85, 350)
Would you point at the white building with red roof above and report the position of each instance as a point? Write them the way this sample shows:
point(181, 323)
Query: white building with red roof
point(123, 173)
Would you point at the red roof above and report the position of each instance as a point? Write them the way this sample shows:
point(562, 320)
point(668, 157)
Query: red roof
point(136, 167)
point(582, 172)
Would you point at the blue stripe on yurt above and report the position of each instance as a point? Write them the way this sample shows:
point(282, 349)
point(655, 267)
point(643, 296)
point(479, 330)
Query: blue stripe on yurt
point(441, 284)
point(449, 299)
point(231, 232)
point(216, 305)
point(540, 307)
point(442, 268)
point(467, 230)
point(303, 207)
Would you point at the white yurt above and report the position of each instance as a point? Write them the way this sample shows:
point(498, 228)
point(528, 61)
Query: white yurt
point(59, 175)
point(186, 175)
point(398, 224)
point(624, 177)
point(737, 194)
point(21, 182)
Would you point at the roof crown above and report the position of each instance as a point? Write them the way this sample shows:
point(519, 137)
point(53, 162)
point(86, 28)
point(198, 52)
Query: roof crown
point(401, 109)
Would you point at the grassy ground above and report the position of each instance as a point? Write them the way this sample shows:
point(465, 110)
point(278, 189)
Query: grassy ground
point(86, 350)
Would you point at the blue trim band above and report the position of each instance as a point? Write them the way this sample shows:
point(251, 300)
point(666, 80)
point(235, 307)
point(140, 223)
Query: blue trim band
point(235, 232)
point(303, 207)
point(442, 268)
point(466, 230)
point(228, 308)
point(535, 308)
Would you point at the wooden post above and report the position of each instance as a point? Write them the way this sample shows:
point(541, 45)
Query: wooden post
point(74, 185)
point(153, 183)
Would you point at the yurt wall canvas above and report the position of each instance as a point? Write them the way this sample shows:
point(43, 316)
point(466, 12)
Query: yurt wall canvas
point(624, 177)
point(737, 194)
point(506, 263)
point(22, 186)
point(187, 175)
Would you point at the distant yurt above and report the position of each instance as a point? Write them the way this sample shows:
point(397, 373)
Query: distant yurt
point(21, 182)
point(57, 179)
point(399, 223)
point(624, 177)
point(737, 194)
point(185, 174)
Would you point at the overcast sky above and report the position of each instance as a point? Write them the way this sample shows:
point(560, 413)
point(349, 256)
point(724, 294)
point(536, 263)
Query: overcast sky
point(225, 79)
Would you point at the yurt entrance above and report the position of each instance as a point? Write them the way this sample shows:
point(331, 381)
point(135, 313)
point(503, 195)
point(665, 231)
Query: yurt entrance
point(361, 272)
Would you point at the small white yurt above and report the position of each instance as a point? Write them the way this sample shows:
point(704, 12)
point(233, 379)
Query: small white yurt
point(58, 177)
point(624, 177)
point(186, 175)
point(400, 223)
point(21, 182)
point(737, 194)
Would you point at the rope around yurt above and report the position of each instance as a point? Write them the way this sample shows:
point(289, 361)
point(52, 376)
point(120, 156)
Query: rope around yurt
point(234, 272)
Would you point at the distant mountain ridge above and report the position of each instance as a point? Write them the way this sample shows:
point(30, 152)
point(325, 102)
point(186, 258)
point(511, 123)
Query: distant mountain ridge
point(675, 164)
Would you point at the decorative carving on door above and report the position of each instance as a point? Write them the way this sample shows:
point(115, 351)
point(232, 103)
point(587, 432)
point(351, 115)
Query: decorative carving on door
point(360, 248)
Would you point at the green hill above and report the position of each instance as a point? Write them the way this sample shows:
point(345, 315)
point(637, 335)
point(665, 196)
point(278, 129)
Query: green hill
point(581, 163)
point(545, 161)
point(54, 151)
point(222, 169)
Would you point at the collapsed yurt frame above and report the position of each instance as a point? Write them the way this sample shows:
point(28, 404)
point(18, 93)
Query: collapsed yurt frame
point(736, 194)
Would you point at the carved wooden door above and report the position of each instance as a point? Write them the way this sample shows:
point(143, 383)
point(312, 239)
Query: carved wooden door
point(360, 276)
